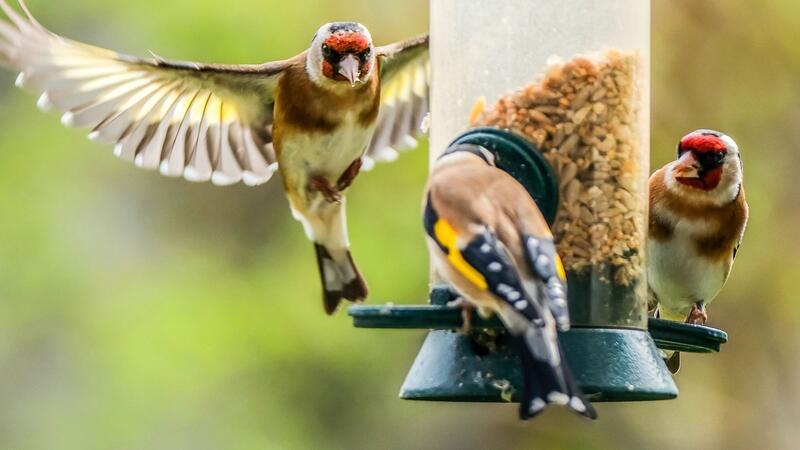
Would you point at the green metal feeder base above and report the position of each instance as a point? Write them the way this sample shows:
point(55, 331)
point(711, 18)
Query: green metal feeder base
point(609, 365)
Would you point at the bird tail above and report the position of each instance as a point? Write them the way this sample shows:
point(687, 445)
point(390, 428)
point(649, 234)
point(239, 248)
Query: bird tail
point(548, 382)
point(673, 362)
point(340, 278)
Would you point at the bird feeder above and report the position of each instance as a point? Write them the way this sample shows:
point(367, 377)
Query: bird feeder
point(559, 92)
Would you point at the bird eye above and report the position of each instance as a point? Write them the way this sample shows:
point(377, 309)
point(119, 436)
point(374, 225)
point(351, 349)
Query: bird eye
point(329, 53)
point(710, 159)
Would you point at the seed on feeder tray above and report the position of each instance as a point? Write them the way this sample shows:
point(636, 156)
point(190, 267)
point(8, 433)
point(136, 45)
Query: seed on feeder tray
point(505, 388)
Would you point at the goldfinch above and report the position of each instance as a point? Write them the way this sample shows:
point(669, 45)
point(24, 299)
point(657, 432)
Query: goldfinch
point(317, 118)
point(488, 239)
point(698, 216)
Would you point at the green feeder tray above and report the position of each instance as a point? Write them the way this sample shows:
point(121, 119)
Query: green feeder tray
point(606, 364)
point(609, 363)
point(685, 337)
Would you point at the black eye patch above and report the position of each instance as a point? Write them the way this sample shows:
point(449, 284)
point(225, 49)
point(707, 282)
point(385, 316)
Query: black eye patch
point(710, 159)
point(330, 54)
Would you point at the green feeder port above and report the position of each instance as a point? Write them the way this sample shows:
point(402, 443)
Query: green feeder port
point(611, 362)
point(517, 157)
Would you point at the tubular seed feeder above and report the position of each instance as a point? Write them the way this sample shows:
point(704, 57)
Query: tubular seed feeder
point(574, 131)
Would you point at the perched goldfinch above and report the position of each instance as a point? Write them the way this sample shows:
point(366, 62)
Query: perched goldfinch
point(316, 117)
point(488, 239)
point(698, 215)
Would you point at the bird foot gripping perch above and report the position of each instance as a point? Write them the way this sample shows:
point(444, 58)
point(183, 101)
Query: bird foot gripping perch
point(697, 316)
point(318, 183)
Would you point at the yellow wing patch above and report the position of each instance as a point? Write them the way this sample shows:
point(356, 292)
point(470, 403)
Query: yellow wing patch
point(447, 236)
point(560, 269)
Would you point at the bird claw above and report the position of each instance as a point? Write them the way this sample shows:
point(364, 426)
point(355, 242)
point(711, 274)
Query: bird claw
point(319, 183)
point(349, 175)
point(466, 314)
point(697, 316)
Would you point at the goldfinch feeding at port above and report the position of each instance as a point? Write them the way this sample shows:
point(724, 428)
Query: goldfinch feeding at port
point(698, 215)
point(317, 118)
point(488, 239)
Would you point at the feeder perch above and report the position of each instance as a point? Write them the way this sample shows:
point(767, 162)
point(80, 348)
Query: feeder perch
point(454, 367)
point(561, 97)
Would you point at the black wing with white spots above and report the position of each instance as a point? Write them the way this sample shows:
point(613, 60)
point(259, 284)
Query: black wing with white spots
point(547, 379)
point(487, 255)
point(546, 265)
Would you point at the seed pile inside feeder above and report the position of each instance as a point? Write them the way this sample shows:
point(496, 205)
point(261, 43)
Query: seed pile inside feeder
point(584, 116)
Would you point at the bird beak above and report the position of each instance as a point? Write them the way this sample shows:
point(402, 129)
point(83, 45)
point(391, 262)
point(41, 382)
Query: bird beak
point(349, 68)
point(687, 167)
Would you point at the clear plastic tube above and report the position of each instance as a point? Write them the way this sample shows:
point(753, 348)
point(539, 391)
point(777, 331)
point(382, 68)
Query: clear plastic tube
point(573, 78)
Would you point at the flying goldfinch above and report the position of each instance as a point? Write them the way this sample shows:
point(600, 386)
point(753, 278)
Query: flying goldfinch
point(317, 118)
point(698, 215)
point(489, 240)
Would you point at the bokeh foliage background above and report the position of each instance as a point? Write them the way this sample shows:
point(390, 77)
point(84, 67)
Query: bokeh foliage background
point(138, 312)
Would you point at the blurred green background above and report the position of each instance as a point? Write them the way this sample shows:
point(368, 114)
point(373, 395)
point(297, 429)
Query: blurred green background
point(138, 312)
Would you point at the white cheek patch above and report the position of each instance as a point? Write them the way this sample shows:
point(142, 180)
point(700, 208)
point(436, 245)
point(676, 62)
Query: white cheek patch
point(729, 143)
point(314, 64)
point(731, 179)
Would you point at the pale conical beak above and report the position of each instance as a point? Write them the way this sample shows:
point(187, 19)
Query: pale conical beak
point(687, 166)
point(349, 68)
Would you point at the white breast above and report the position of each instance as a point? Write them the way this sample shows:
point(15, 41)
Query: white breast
point(678, 275)
point(327, 154)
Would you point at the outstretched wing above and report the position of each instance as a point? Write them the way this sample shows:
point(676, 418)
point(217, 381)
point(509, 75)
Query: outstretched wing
point(405, 79)
point(202, 122)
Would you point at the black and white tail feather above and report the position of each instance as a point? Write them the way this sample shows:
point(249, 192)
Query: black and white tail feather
point(534, 310)
point(340, 279)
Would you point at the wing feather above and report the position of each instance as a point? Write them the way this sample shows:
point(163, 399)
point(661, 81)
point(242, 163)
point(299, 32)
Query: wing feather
point(200, 121)
point(405, 80)
point(550, 278)
point(484, 261)
point(488, 255)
